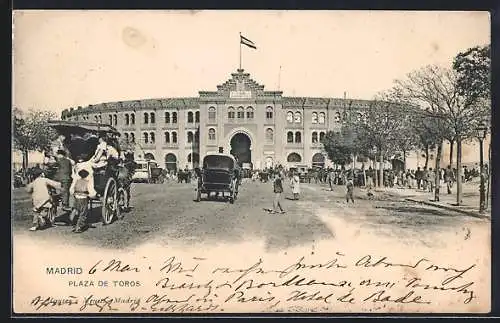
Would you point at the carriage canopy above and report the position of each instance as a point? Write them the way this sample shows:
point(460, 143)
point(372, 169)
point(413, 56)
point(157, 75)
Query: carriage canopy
point(219, 161)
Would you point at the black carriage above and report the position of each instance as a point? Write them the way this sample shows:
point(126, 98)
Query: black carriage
point(81, 140)
point(220, 174)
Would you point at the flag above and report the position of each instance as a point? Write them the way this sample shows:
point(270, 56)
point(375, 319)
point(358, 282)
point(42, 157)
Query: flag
point(247, 42)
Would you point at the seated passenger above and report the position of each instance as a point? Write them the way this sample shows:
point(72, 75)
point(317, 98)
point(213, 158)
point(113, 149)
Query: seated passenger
point(99, 159)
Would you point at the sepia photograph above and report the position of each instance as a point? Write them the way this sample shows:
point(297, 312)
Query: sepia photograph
point(250, 161)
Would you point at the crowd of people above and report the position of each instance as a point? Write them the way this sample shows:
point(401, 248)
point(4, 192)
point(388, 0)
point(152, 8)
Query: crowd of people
point(72, 179)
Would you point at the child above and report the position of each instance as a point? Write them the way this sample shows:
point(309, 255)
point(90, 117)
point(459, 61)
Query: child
point(278, 190)
point(80, 189)
point(295, 186)
point(350, 190)
point(40, 195)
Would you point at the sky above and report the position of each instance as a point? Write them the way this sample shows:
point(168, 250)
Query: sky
point(65, 59)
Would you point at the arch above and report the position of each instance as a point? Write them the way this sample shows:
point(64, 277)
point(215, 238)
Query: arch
point(115, 119)
point(152, 137)
point(132, 118)
point(145, 137)
point(170, 162)
point(318, 160)
point(289, 137)
point(337, 116)
point(190, 137)
point(174, 117)
point(241, 148)
point(167, 117)
point(250, 113)
point(298, 137)
point(269, 135)
point(146, 117)
point(314, 137)
point(110, 118)
point(321, 136)
point(174, 137)
point(197, 117)
point(149, 156)
point(190, 118)
point(167, 137)
point(289, 116)
point(211, 134)
point(314, 117)
point(132, 137)
point(211, 113)
point(240, 113)
point(127, 119)
point(321, 118)
point(269, 112)
point(297, 117)
point(230, 113)
point(294, 158)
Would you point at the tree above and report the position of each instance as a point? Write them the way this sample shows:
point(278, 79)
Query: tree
point(436, 90)
point(31, 131)
point(337, 148)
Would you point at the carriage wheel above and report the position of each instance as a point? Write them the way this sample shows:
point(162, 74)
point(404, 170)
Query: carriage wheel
point(122, 201)
point(109, 202)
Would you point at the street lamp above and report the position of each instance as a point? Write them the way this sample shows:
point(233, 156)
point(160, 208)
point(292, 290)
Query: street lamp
point(482, 131)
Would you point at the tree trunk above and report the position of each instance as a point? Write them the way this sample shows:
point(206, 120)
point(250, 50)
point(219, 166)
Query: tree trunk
point(404, 160)
point(426, 157)
point(374, 173)
point(459, 166)
point(381, 166)
point(451, 151)
point(25, 160)
point(437, 171)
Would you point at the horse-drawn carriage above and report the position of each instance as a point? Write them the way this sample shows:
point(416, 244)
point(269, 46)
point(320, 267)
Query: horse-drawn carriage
point(112, 183)
point(220, 174)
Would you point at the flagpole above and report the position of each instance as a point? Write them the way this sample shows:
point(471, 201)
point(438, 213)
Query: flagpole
point(240, 50)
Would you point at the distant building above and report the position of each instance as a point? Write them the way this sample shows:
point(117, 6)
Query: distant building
point(263, 128)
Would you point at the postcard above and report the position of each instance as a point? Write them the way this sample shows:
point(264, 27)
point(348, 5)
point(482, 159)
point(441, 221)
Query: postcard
point(251, 162)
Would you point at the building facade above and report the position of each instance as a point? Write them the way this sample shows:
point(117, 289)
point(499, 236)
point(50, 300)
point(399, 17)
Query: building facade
point(262, 128)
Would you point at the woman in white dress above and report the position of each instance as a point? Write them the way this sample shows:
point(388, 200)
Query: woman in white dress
point(295, 186)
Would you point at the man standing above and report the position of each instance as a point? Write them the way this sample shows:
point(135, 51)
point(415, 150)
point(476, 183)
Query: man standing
point(295, 185)
point(350, 190)
point(63, 176)
point(449, 178)
point(278, 190)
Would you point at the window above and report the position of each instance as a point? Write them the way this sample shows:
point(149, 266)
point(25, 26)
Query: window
point(152, 137)
point(174, 117)
point(132, 138)
point(314, 118)
point(190, 137)
point(127, 119)
point(146, 117)
point(167, 137)
point(241, 113)
point(289, 116)
point(100, 119)
point(269, 135)
point(298, 117)
point(211, 134)
point(132, 118)
point(269, 112)
point(174, 137)
point(298, 137)
point(294, 158)
point(190, 117)
point(152, 117)
point(315, 137)
point(96, 119)
point(126, 137)
point(211, 114)
point(145, 137)
point(197, 117)
point(337, 116)
point(197, 137)
point(321, 136)
point(321, 118)
point(230, 113)
point(289, 137)
point(115, 119)
point(167, 117)
point(110, 118)
point(249, 113)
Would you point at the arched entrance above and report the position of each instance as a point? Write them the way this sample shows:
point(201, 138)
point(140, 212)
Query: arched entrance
point(318, 160)
point(171, 162)
point(240, 148)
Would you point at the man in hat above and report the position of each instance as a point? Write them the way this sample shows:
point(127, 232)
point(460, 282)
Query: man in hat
point(63, 176)
point(80, 189)
point(40, 195)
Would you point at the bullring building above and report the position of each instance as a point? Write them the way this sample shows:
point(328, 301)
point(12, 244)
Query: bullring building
point(262, 128)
